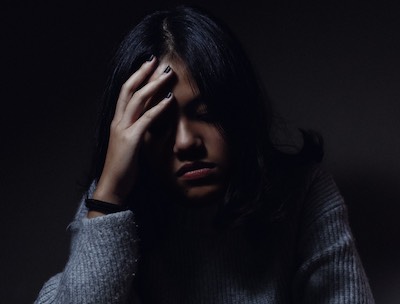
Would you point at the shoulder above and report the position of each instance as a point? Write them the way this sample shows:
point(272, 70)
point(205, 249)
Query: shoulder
point(322, 195)
point(307, 192)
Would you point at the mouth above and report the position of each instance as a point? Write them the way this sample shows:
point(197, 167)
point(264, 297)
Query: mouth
point(195, 170)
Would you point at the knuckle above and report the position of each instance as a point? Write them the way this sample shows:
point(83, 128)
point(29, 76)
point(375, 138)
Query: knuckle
point(127, 88)
point(124, 87)
point(113, 125)
point(137, 95)
point(125, 137)
point(148, 115)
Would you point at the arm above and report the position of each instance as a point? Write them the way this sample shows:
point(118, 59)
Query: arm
point(102, 260)
point(330, 269)
point(101, 265)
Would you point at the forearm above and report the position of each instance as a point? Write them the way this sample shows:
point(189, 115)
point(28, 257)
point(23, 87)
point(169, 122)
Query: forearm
point(101, 265)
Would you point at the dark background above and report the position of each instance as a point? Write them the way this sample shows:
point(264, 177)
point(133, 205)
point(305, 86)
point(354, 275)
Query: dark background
point(330, 66)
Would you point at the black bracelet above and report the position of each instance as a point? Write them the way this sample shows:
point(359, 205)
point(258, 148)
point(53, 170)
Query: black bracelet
point(103, 207)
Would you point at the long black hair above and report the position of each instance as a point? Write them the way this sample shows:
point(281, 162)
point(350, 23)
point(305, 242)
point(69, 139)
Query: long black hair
point(226, 81)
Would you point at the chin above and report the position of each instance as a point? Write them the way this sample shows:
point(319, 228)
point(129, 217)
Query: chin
point(208, 194)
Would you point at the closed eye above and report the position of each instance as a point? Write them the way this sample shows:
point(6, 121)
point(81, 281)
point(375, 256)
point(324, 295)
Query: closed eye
point(204, 116)
point(202, 113)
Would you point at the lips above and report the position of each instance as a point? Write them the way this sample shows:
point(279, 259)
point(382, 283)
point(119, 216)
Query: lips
point(195, 170)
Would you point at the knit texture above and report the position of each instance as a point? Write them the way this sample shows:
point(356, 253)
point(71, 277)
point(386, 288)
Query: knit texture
point(314, 261)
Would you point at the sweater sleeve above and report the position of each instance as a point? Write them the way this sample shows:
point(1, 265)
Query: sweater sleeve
point(330, 269)
point(102, 261)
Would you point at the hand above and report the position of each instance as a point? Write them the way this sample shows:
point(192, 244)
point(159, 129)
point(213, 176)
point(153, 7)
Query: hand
point(131, 120)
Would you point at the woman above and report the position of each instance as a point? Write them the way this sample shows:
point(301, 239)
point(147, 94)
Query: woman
point(192, 201)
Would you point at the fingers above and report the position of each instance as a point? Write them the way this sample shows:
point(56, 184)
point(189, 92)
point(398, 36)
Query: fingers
point(145, 120)
point(132, 84)
point(136, 105)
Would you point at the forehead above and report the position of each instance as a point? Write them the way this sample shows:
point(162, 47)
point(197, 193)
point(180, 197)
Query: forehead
point(183, 86)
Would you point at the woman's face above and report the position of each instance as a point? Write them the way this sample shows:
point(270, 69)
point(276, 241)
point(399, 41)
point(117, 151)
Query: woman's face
point(184, 147)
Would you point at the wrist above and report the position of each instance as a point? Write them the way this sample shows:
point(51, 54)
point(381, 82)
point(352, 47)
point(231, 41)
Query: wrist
point(109, 198)
point(107, 195)
point(102, 207)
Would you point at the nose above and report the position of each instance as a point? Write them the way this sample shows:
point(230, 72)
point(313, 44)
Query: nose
point(187, 140)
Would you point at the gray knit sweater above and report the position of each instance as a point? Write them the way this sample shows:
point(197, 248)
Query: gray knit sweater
point(316, 262)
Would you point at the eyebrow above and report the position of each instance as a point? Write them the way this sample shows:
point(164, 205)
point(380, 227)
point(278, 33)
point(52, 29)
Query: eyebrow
point(195, 103)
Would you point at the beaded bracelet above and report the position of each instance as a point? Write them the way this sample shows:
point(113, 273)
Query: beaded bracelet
point(103, 207)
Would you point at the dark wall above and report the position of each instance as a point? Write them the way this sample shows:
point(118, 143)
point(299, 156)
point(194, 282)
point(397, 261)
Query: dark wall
point(330, 67)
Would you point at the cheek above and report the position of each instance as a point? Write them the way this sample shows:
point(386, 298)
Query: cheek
point(218, 148)
point(217, 141)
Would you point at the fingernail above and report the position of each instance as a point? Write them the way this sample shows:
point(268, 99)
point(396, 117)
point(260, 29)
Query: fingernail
point(167, 69)
point(168, 95)
point(150, 58)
